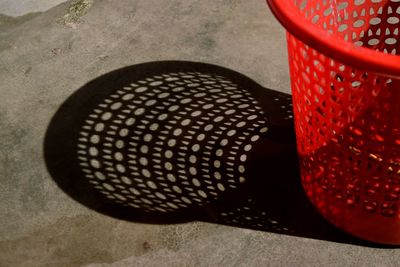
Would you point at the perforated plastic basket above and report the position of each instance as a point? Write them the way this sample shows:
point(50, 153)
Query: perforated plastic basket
point(344, 60)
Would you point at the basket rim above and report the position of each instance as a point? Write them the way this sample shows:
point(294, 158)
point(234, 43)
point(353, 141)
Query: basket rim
point(338, 49)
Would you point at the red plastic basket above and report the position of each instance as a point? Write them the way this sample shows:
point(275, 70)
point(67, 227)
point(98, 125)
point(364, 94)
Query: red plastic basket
point(344, 60)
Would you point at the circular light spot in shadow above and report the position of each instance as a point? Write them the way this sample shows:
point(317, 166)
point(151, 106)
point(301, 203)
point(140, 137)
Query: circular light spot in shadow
point(160, 196)
point(241, 169)
point(208, 127)
point(252, 117)
point(177, 189)
point(106, 116)
point(124, 132)
point(208, 106)
point(224, 142)
point(120, 168)
point(156, 83)
point(146, 201)
point(147, 137)
point(186, 101)
point(126, 180)
point(217, 163)
point(95, 139)
point(171, 177)
point(173, 108)
point(200, 95)
point(116, 106)
point(231, 133)
point(146, 173)
point(172, 205)
point(171, 142)
point(151, 184)
point(95, 163)
point(130, 122)
point(93, 151)
point(139, 111)
point(186, 200)
point(162, 117)
point(241, 124)
point(143, 161)
point(221, 187)
point(154, 126)
point(163, 95)
point(218, 119)
point(99, 127)
point(193, 159)
point(120, 197)
point(128, 97)
point(196, 182)
point(202, 193)
point(134, 191)
point(196, 113)
point(120, 144)
point(168, 166)
point(108, 187)
point(169, 154)
point(144, 149)
point(248, 148)
point(185, 122)
point(150, 102)
point(219, 152)
point(100, 175)
point(201, 137)
point(177, 132)
point(178, 89)
point(141, 89)
point(192, 170)
point(118, 156)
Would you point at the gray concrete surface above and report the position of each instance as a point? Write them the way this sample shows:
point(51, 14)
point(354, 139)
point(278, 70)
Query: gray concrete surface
point(45, 58)
point(22, 7)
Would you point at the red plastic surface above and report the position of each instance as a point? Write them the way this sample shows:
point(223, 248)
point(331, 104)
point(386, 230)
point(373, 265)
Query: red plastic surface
point(347, 107)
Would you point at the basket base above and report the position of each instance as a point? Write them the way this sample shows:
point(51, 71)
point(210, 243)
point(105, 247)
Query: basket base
point(358, 222)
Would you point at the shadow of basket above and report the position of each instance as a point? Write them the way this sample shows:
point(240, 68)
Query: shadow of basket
point(174, 141)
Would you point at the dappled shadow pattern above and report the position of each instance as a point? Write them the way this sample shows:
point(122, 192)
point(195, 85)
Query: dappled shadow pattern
point(170, 142)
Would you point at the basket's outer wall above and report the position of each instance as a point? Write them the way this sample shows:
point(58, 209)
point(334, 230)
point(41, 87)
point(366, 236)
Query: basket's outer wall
point(333, 27)
point(347, 122)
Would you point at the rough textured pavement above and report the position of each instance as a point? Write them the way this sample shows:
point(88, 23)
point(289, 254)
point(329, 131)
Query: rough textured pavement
point(45, 57)
point(23, 7)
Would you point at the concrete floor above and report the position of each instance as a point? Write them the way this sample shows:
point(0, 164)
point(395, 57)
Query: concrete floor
point(48, 56)
point(23, 7)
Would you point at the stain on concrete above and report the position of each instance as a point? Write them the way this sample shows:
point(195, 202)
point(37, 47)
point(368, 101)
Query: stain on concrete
point(146, 246)
point(205, 38)
point(103, 57)
point(208, 35)
point(11, 135)
point(78, 241)
point(28, 70)
point(75, 12)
